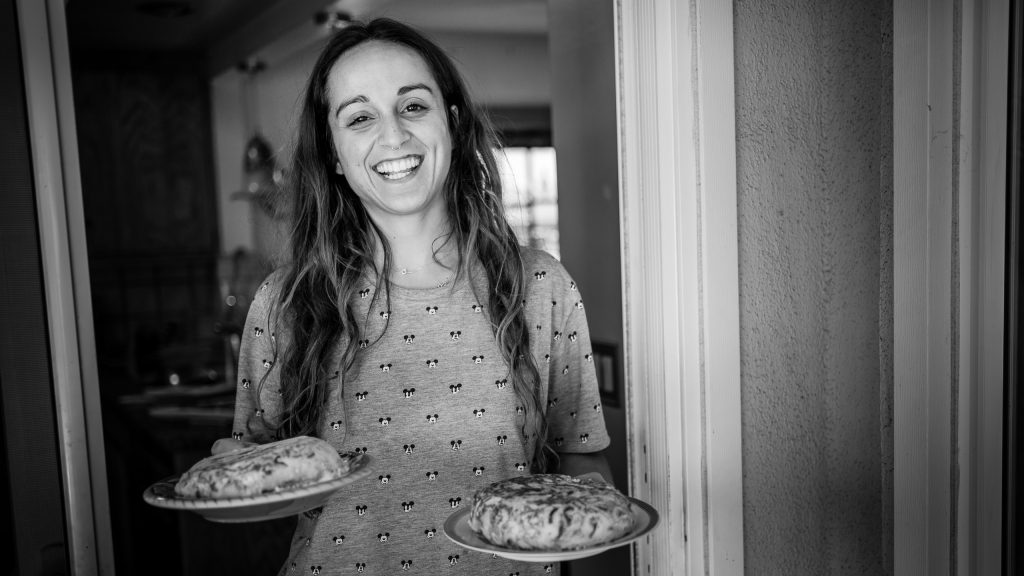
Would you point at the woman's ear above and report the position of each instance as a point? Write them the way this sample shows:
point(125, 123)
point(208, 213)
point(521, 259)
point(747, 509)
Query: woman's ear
point(337, 168)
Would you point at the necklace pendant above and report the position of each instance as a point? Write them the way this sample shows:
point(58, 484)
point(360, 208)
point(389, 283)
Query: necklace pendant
point(405, 271)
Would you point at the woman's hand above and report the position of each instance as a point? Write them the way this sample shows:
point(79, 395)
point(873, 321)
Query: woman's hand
point(225, 445)
point(585, 465)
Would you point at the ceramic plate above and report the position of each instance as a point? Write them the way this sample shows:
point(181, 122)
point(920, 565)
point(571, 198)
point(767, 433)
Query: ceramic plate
point(252, 508)
point(457, 529)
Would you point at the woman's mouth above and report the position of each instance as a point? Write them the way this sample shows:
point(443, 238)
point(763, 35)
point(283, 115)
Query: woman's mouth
point(398, 169)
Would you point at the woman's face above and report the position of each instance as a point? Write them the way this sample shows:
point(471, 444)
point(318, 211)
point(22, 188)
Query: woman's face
point(390, 130)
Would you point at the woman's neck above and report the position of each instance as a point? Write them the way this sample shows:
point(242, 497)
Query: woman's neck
point(420, 255)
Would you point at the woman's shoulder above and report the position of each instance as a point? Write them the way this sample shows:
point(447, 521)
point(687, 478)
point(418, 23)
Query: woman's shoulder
point(543, 267)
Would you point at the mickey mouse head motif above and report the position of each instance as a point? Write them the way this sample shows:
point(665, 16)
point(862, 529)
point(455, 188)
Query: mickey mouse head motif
point(409, 448)
point(259, 411)
point(336, 425)
point(407, 506)
point(384, 421)
point(384, 479)
point(572, 286)
point(455, 335)
point(364, 343)
point(456, 445)
point(478, 359)
point(408, 338)
point(539, 327)
point(257, 331)
point(573, 336)
point(432, 418)
point(360, 396)
point(478, 471)
point(408, 392)
point(429, 532)
point(236, 435)
point(361, 450)
point(454, 502)
point(501, 439)
point(385, 367)
point(432, 475)
point(455, 388)
point(383, 537)
point(597, 407)
point(431, 310)
point(478, 308)
point(540, 275)
point(565, 370)
point(364, 293)
point(548, 568)
point(579, 304)
point(339, 540)
point(315, 570)
point(554, 303)
point(547, 358)
point(501, 384)
point(588, 357)
point(361, 510)
point(432, 363)
point(385, 314)
point(479, 413)
point(267, 363)
point(584, 438)
point(520, 466)
point(559, 441)
point(245, 383)
point(360, 566)
point(520, 410)
point(552, 402)
point(557, 336)
point(406, 564)
point(453, 559)
point(572, 414)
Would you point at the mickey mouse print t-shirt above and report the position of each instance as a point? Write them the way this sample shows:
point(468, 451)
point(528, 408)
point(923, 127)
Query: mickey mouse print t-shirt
point(429, 400)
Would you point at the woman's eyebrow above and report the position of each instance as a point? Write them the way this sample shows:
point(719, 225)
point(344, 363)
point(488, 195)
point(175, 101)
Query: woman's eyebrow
point(349, 102)
point(411, 87)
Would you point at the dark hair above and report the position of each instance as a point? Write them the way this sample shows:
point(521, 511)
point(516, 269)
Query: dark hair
point(333, 237)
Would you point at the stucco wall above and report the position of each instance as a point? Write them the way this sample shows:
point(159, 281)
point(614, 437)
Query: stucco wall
point(811, 122)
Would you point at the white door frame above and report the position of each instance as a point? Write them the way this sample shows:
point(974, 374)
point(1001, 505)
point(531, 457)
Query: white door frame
point(677, 154)
point(949, 127)
point(61, 215)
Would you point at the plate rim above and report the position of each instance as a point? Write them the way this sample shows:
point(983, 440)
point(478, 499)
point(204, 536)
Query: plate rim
point(553, 555)
point(242, 502)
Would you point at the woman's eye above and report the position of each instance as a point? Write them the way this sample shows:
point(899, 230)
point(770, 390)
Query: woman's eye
point(415, 107)
point(361, 119)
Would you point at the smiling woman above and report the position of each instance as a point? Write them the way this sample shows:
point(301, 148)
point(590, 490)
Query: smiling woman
point(406, 294)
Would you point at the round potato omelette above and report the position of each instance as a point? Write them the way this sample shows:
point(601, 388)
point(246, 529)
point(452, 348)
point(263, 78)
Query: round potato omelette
point(264, 468)
point(550, 512)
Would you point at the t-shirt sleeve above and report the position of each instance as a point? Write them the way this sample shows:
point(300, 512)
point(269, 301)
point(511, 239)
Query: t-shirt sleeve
point(575, 417)
point(257, 398)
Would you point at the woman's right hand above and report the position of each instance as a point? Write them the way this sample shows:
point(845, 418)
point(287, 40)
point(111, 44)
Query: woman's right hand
point(225, 445)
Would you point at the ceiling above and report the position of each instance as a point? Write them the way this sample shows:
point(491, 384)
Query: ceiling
point(206, 27)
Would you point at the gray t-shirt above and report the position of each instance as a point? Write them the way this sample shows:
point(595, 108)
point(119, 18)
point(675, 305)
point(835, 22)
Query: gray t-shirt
point(430, 402)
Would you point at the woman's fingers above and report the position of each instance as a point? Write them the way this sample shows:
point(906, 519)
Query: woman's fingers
point(223, 445)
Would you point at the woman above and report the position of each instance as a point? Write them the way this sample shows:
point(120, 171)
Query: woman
point(409, 324)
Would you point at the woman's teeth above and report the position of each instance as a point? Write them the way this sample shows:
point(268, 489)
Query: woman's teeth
point(397, 169)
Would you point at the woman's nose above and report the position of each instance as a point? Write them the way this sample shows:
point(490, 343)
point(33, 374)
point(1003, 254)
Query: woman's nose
point(393, 133)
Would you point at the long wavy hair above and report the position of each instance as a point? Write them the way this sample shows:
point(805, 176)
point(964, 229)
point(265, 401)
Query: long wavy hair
point(333, 241)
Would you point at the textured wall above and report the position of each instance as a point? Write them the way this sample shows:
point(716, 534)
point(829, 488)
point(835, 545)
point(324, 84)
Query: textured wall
point(810, 126)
